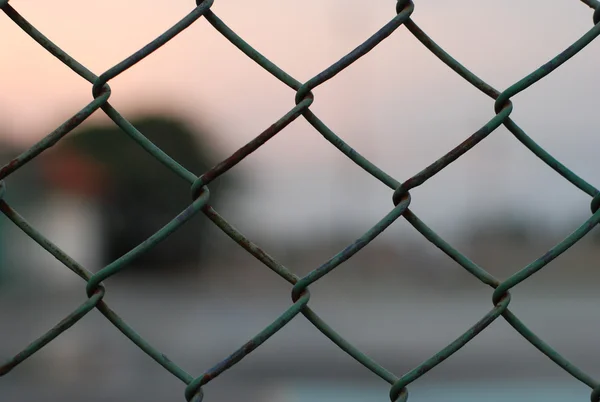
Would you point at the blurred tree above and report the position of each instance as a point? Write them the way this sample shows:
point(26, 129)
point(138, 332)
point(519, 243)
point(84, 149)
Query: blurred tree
point(140, 194)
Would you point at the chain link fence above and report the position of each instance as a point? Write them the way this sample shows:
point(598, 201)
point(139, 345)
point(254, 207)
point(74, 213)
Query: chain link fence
point(300, 293)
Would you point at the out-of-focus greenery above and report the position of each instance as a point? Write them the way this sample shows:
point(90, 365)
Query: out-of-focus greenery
point(142, 194)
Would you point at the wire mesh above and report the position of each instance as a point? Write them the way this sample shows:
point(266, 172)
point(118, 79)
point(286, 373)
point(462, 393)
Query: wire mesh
point(300, 293)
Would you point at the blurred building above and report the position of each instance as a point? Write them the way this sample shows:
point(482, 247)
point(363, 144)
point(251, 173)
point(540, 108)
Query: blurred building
point(62, 204)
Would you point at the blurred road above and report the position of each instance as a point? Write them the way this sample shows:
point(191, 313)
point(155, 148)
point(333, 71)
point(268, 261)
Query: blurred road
point(93, 361)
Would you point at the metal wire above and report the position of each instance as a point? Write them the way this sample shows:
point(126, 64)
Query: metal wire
point(300, 286)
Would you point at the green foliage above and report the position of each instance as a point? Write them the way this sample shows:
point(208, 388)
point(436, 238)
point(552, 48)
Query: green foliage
point(142, 194)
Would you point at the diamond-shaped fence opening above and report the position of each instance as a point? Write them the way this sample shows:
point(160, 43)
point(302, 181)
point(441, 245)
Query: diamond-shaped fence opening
point(300, 286)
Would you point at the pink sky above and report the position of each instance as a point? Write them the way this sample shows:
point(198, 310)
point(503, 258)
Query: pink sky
point(398, 106)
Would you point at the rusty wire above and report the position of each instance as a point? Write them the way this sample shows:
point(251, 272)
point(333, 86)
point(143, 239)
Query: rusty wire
point(300, 286)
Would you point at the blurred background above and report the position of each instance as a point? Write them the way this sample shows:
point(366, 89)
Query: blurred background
point(198, 296)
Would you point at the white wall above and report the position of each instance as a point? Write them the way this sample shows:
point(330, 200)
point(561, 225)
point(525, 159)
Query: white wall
point(71, 223)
